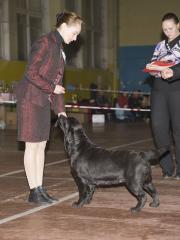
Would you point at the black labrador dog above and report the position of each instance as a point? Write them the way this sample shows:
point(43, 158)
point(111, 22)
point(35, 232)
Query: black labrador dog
point(93, 166)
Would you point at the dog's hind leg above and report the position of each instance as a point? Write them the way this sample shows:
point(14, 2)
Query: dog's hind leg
point(151, 190)
point(140, 194)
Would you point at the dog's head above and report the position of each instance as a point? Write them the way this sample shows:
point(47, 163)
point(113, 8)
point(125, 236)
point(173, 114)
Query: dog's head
point(68, 124)
point(72, 130)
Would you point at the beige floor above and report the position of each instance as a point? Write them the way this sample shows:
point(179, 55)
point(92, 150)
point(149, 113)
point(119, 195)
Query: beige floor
point(106, 218)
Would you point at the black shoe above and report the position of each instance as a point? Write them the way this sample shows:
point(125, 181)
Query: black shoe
point(46, 195)
point(36, 196)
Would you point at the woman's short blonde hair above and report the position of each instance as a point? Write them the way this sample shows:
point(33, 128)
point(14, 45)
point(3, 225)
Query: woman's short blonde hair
point(68, 18)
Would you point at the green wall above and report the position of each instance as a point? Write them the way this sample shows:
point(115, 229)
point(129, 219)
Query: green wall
point(139, 31)
point(83, 78)
point(11, 71)
point(140, 20)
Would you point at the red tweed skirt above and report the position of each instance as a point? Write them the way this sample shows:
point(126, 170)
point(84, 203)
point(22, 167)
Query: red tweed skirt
point(33, 122)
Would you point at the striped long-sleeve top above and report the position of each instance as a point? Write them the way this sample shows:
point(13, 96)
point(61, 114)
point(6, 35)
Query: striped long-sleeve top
point(167, 51)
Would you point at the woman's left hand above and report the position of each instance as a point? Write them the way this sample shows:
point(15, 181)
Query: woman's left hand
point(62, 113)
point(59, 89)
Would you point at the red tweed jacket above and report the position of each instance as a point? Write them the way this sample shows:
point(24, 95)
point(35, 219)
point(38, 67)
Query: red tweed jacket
point(44, 70)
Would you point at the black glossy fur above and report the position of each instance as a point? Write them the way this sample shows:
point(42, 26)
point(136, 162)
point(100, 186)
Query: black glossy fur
point(95, 166)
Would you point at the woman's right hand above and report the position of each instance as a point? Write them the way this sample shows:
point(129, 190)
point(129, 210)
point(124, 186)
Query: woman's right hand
point(59, 89)
point(167, 73)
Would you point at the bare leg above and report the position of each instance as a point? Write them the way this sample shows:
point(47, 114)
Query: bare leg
point(40, 157)
point(34, 163)
point(30, 163)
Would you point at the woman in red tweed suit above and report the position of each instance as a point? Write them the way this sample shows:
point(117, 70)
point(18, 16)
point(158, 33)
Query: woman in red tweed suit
point(40, 91)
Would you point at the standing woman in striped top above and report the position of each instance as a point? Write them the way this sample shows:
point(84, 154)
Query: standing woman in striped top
point(38, 92)
point(165, 97)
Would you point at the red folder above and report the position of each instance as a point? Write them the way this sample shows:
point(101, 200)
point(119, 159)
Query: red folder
point(159, 63)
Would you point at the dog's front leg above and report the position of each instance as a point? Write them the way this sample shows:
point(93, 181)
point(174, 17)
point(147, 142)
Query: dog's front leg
point(82, 189)
point(90, 191)
point(85, 195)
point(85, 192)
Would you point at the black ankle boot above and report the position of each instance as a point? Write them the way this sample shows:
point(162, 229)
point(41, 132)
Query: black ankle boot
point(36, 196)
point(46, 195)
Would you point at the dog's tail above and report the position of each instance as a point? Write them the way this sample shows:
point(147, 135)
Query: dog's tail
point(154, 156)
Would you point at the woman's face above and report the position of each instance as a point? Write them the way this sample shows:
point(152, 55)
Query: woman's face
point(70, 32)
point(170, 29)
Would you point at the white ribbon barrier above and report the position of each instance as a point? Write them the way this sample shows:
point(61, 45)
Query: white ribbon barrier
point(107, 108)
point(92, 107)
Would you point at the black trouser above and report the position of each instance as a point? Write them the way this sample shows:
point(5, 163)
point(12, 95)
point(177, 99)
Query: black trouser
point(165, 110)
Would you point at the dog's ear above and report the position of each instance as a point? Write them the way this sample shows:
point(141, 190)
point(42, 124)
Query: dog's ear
point(56, 123)
point(62, 116)
point(60, 120)
point(67, 127)
point(77, 127)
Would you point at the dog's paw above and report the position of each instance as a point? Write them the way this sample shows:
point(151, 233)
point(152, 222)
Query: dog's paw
point(154, 204)
point(88, 202)
point(135, 210)
point(77, 205)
